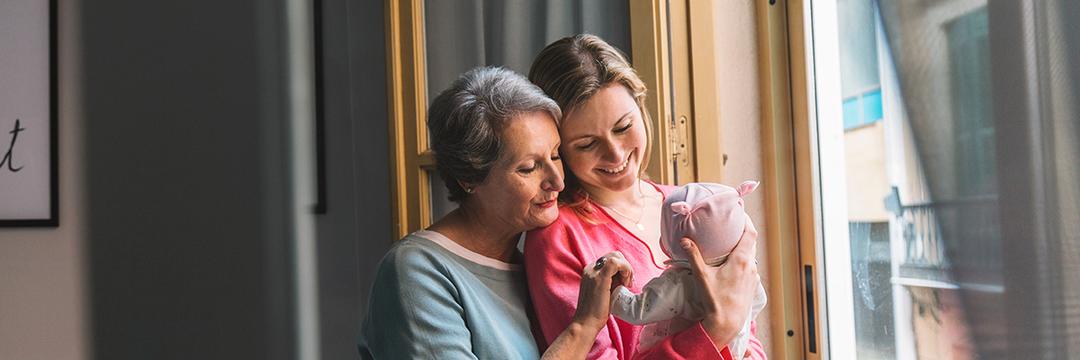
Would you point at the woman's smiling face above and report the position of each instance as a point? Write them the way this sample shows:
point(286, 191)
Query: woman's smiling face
point(521, 189)
point(603, 140)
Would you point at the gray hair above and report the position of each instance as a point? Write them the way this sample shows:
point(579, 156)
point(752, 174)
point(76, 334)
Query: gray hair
point(466, 122)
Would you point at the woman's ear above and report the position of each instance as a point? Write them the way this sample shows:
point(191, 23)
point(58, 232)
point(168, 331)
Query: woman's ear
point(746, 187)
point(468, 187)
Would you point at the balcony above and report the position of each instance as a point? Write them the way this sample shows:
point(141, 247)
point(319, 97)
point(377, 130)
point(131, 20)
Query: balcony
point(934, 232)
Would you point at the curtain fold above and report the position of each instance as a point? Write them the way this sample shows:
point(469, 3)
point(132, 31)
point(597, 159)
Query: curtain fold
point(463, 34)
point(1062, 34)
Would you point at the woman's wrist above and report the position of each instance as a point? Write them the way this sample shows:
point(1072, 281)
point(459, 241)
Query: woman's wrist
point(574, 342)
point(719, 330)
point(585, 327)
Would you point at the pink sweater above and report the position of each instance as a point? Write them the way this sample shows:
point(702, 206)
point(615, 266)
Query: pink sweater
point(554, 258)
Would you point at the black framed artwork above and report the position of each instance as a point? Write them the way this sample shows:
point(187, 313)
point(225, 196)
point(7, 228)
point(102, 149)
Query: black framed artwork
point(320, 109)
point(28, 113)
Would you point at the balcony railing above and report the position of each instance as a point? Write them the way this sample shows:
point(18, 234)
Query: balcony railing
point(944, 237)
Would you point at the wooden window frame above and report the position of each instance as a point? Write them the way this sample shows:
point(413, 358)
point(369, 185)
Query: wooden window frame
point(664, 35)
point(406, 100)
point(788, 152)
point(672, 43)
point(654, 36)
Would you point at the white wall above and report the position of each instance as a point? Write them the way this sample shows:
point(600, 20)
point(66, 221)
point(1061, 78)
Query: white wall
point(740, 117)
point(42, 284)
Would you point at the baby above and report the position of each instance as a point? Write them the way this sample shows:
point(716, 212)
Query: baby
point(712, 215)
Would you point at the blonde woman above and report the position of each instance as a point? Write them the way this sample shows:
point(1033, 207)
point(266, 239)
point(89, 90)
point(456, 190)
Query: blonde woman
point(607, 205)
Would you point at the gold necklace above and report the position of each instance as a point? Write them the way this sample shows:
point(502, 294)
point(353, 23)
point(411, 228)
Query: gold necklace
point(637, 222)
point(641, 212)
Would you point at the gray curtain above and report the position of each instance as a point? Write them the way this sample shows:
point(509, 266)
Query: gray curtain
point(991, 89)
point(462, 34)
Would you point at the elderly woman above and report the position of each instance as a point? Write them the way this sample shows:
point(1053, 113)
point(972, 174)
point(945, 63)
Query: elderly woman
point(456, 289)
point(608, 205)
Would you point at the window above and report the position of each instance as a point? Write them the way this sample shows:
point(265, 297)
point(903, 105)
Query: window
point(886, 226)
point(969, 66)
point(862, 109)
point(916, 248)
point(426, 53)
point(467, 34)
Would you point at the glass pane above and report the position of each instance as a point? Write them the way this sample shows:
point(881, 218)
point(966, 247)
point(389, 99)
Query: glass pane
point(871, 272)
point(440, 198)
point(463, 34)
point(965, 164)
point(904, 107)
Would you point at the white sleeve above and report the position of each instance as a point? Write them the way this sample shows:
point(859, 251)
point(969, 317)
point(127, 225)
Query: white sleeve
point(760, 299)
point(742, 340)
point(662, 298)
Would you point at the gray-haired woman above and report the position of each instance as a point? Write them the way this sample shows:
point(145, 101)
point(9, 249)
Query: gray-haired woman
point(457, 289)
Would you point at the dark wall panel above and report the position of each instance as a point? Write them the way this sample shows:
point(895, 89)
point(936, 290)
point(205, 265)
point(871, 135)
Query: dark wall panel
point(185, 156)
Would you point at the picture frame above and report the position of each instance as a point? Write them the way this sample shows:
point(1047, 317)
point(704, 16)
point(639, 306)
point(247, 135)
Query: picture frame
point(320, 109)
point(29, 175)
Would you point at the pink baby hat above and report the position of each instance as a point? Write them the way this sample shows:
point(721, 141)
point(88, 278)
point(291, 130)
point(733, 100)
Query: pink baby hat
point(710, 214)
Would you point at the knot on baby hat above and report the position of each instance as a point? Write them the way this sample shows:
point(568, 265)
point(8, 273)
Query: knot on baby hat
point(710, 214)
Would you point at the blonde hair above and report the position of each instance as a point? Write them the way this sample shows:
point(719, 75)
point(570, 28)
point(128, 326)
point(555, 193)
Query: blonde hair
point(572, 70)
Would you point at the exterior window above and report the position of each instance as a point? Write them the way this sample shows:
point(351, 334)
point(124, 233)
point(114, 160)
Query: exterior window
point(862, 109)
point(903, 110)
point(934, 152)
point(969, 65)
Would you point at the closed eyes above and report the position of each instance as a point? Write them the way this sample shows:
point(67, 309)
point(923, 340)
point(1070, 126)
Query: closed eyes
point(537, 166)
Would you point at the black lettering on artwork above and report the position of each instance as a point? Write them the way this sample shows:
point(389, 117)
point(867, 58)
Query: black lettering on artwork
point(8, 156)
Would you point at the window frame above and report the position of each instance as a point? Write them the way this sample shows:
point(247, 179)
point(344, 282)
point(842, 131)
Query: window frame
point(788, 150)
point(664, 35)
point(655, 39)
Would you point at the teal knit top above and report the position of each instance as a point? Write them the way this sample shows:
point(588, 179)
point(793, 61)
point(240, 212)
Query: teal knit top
point(432, 298)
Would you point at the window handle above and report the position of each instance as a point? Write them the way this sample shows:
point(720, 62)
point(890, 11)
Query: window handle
point(811, 319)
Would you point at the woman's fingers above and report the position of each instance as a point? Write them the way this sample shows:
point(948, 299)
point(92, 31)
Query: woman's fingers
point(617, 269)
point(598, 280)
point(697, 264)
point(594, 295)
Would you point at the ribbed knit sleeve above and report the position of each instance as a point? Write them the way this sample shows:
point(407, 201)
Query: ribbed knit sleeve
point(415, 313)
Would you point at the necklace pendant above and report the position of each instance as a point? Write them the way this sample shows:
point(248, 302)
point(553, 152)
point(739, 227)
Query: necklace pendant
point(640, 227)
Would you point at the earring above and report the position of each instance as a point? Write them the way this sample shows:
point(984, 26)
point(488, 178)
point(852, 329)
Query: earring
point(469, 190)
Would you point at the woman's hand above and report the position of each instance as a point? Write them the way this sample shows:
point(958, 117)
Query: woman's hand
point(598, 280)
point(726, 310)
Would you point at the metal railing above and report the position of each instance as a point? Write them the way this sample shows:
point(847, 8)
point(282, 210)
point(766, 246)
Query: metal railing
point(943, 237)
point(922, 237)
